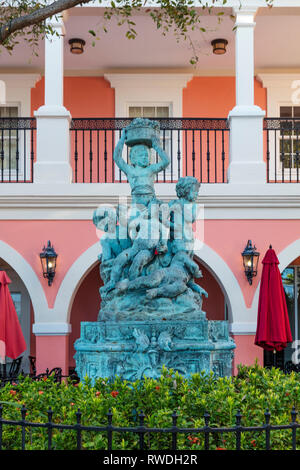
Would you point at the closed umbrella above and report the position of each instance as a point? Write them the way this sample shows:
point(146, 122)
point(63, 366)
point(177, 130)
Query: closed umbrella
point(12, 342)
point(273, 331)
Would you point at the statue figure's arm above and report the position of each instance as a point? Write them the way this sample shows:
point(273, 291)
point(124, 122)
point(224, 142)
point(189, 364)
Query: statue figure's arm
point(164, 162)
point(118, 154)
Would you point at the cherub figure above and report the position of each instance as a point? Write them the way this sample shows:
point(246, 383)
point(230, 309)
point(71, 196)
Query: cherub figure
point(140, 172)
point(115, 240)
point(183, 213)
point(144, 246)
point(167, 282)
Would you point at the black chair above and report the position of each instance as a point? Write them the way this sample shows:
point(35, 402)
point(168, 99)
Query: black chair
point(56, 371)
point(13, 371)
point(73, 375)
point(32, 362)
point(291, 367)
point(14, 368)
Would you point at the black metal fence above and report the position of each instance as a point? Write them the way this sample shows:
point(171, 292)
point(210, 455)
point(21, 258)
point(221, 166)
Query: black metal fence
point(282, 149)
point(141, 430)
point(17, 149)
point(197, 147)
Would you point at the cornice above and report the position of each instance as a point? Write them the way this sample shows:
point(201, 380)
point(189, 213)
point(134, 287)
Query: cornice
point(134, 80)
point(81, 207)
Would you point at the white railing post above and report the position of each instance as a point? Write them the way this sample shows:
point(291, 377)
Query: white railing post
point(53, 119)
point(246, 164)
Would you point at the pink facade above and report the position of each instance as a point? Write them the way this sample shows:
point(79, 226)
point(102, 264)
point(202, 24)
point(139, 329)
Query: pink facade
point(240, 191)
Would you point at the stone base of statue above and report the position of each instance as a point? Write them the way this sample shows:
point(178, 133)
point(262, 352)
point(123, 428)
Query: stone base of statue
point(136, 349)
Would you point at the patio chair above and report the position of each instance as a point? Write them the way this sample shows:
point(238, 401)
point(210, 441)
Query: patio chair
point(57, 371)
point(32, 362)
point(14, 368)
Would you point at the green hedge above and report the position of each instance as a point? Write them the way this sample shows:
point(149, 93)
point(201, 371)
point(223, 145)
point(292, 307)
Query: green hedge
point(252, 392)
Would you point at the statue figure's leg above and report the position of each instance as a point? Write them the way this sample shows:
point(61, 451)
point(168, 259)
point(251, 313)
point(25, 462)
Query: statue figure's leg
point(116, 272)
point(145, 282)
point(167, 290)
point(196, 288)
point(138, 263)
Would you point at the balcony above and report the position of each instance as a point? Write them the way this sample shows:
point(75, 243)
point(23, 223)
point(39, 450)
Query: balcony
point(17, 149)
point(198, 147)
point(282, 152)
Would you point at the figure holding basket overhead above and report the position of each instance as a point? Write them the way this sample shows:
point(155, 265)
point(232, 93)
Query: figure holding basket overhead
point(141, 172)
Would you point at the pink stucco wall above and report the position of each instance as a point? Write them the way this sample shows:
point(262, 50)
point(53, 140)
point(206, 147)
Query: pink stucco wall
point(52, 351)
point(246, 352)
point(71, 238)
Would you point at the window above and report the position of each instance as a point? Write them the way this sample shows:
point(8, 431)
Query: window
point(9, 148)
point(154, 112)
point(289, 137)
point(149, 111)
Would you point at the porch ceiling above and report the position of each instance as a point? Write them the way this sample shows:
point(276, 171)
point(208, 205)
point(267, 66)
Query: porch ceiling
point(277, 36)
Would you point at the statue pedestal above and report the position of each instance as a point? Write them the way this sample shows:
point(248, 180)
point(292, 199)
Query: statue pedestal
point(134, 349)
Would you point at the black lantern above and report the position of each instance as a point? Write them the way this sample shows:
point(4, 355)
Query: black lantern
point(219, 46)
point(48, 260)
point(250, 261)
point(77, 45)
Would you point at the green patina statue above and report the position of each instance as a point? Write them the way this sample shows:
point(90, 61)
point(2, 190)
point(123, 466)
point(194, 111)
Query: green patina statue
point(151, 306)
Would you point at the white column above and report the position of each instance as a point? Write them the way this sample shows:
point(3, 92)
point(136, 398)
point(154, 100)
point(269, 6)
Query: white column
point(53, 119)
point(246, 163)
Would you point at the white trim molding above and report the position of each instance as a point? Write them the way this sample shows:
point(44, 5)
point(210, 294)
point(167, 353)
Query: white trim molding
point(78, 201)
point(51, 329)
point(148, 87)
point(18, 90)
point(239, 328)
point(283, 89)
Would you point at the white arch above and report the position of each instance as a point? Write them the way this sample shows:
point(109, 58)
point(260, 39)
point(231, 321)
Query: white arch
point(28, 276)
point(85, 263)
point(227, 280)
point(285, 257)
point(71, 282)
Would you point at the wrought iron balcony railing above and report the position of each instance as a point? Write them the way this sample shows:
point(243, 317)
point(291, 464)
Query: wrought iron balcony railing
point(282, 149)
point(196, 147)
point(17, 149)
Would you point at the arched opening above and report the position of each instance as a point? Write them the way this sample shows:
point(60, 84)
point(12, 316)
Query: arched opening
point(85, 307)
point(24, 309)
point(215, 305)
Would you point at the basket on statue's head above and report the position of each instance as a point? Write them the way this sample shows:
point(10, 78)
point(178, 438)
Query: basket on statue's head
point(142, 131)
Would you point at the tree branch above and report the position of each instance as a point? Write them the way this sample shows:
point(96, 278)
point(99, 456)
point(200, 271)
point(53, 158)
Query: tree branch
point(37, 17)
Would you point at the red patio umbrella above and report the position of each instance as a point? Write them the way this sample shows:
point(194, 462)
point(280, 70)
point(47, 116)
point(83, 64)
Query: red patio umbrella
point(12, 342)
point(273, 328)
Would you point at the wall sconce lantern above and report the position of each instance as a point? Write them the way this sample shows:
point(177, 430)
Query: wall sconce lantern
point(77, 45)
point(48, 259)
point(250, 261)
point(219, 46)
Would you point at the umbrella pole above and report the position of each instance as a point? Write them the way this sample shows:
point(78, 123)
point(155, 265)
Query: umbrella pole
point(274, 358)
